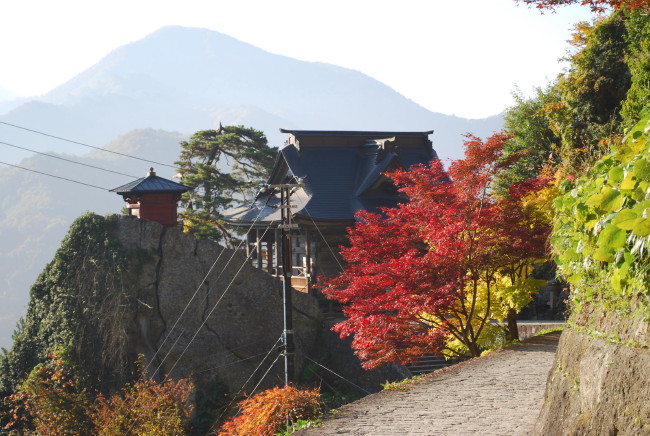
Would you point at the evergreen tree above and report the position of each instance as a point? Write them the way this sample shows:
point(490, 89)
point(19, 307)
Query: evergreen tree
point(224, 167)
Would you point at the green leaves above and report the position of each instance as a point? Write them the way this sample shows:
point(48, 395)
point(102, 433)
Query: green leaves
point(611, 239)
point(634, 219)
point(608, 200)
point(641, 227)
point(642, 168)
point(625, 219)
point(225, 167)
point(603, 225)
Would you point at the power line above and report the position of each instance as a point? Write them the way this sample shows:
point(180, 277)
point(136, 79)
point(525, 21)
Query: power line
point(67, 160)
point(213, 308)
point(85, 145)
point(321, 234)
point(92, 399)
point(207, 316)
point(249, 379)
point(338, 375)
point(187, 305)
point(56, 177)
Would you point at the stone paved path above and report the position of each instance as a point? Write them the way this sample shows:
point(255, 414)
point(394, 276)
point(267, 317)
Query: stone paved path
point(497, 394)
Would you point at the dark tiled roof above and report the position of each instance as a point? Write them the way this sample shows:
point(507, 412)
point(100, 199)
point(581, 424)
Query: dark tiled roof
point(341, 172)
point(151, 183)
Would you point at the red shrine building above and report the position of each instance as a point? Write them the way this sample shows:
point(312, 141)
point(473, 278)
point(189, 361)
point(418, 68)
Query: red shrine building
point(153, 198)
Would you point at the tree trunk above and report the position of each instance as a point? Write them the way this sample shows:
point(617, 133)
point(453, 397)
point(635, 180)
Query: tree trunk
point(513, 331)
point(474, 349)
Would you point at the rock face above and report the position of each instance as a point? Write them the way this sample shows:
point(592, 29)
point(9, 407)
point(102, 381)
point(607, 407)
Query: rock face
point(203, 311)
point(600, 381)
point(120, 287)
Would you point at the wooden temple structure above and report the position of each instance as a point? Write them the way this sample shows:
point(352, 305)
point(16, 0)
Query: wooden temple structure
point(336, 174)
point(153, 198)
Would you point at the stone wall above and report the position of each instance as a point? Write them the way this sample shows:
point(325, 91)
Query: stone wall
point(600, 381)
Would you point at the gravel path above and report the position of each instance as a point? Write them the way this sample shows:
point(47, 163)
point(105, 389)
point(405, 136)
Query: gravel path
point(497, 394)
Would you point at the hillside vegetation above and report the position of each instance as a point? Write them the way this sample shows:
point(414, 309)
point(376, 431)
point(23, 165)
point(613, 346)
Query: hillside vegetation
point(591, 126)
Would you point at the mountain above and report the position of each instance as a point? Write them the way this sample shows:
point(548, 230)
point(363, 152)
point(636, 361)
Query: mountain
point(36, 211)
point(188, 79)
point(175, 80)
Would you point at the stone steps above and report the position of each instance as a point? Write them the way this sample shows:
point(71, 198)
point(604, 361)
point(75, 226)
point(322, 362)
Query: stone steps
point(429, 363)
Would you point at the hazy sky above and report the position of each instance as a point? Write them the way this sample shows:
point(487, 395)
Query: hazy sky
point(454, 57)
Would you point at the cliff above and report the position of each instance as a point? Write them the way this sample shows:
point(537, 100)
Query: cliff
point(120, 287)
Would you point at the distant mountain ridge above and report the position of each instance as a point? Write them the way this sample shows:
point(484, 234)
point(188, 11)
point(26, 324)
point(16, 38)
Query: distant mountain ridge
point(188, 79)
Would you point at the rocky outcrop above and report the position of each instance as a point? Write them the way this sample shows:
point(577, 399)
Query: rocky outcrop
point(120, 287)
point(202, 311)
point(600, 381)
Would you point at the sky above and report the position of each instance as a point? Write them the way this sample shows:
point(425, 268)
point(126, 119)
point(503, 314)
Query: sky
point(462, 57)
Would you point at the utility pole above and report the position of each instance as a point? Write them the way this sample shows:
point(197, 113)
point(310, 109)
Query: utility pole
point(286, 228)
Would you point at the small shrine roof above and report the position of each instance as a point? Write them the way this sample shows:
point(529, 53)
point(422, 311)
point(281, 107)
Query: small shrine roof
point(151, 183)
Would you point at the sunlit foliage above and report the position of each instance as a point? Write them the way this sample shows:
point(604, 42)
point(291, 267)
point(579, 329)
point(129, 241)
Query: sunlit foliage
point(266, 413)
point(415, 274)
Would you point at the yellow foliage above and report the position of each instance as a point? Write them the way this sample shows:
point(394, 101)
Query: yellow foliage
point(508, 294)
point(511, 291)
point(539, 204)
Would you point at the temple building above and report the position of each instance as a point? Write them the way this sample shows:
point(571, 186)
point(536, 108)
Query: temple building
point(336, 174)
point(153, 198)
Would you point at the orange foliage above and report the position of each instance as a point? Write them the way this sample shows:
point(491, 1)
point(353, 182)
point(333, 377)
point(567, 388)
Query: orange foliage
point(146, 408)
point(598, 6)
point(267, 412)
point(49, 401)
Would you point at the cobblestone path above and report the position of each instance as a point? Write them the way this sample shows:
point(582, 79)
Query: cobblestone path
point(497, 394)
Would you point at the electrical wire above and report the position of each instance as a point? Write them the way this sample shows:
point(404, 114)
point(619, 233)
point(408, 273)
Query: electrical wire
point(53, 406)
point(56, 177)
point(213, 308)
point(249, 379)
point(304, 206)
point(209, 313)
point(234, 252)
point(85, 145)
point(227, 364)
point(67, 160)
point(338, 375)
point(262, 378)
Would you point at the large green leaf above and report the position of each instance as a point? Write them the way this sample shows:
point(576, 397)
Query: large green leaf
point(615, 175)
point(603, 256)
point(618, 281)
point(642, 169)
point(639, 145)
point(629, 182)
point(641, 227)
point(574, 279)
point(607, 200)
point(625, 219)
point(569, 256)
point(611, 239)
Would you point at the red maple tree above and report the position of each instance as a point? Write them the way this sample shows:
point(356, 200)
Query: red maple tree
point(413, 273)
